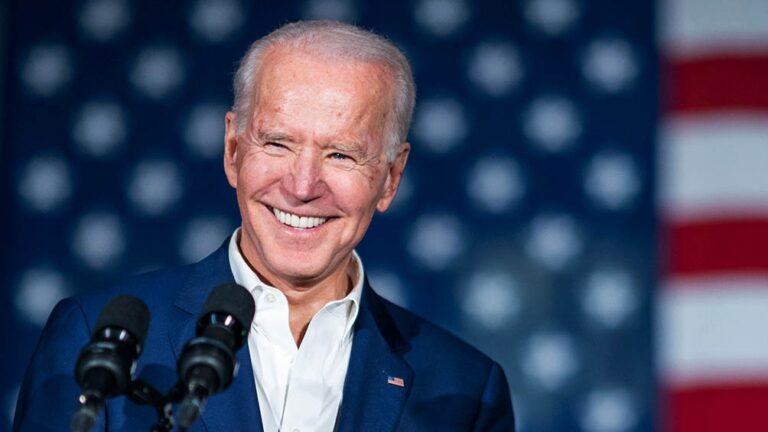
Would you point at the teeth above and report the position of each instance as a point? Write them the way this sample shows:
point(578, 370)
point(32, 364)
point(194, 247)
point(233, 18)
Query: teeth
point(295, 221)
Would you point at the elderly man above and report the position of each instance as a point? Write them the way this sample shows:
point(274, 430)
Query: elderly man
point(315, 144)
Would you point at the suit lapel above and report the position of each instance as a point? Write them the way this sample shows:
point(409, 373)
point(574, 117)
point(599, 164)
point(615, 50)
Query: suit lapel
point(371, 401)
point(237, 407)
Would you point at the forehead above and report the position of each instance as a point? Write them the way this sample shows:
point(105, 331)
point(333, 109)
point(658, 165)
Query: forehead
point(286, 73)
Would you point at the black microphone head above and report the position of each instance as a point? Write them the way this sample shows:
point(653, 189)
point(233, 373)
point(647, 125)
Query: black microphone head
point(126, 312)
point(232, 299)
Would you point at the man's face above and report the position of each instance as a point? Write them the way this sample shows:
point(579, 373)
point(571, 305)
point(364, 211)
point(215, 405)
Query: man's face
point(311, 167)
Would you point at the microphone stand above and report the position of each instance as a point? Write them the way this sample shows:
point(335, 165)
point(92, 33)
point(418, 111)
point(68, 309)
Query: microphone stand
point(142, 393)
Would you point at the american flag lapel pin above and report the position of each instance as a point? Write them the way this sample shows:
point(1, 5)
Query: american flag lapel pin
point(395, 381)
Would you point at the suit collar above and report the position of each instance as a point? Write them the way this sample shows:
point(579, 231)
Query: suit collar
point(380, 320)
point(372, 399)
point(204, 277)
point(239, 402)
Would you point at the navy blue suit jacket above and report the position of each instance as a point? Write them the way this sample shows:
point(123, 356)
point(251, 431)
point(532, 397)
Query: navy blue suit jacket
point(449, 386)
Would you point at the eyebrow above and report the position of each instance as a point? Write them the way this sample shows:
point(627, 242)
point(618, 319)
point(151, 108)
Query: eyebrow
point(352, 148)
point(267, 135)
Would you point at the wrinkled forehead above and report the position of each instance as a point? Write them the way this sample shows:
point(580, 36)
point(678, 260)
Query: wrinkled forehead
point(287, 68)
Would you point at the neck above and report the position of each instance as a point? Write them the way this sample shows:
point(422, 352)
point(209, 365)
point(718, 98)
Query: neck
point(306, 298)
point(305, 302)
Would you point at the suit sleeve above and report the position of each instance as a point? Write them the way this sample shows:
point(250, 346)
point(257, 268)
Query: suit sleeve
point(496, 413)
point(48, 395)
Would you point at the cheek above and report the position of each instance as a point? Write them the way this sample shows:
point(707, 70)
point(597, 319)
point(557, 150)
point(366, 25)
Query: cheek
point(256, 173)
point(355, 191)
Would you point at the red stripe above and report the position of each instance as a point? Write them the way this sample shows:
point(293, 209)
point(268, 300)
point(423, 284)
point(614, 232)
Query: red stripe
point(717, 409)
point(733, 245)
point(724, 82)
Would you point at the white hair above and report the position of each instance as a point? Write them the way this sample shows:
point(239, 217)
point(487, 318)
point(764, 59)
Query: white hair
point(333, 40)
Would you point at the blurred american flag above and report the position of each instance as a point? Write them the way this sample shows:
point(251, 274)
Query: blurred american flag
point(527, 221)
point(713, 304)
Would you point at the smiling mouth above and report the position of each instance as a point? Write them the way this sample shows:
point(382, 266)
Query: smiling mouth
point(296, 221)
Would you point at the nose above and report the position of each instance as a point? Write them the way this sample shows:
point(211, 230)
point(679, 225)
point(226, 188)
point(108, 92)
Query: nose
point(304, 181)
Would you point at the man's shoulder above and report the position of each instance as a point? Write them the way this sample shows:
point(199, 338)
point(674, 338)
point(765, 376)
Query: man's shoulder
point(430, 341)
point(157, 286)
point(162, 288)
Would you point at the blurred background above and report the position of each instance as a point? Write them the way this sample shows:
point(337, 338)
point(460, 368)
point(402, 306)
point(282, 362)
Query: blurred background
point(586, 199)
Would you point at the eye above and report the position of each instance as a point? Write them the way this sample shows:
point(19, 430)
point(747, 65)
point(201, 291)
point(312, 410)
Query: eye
point(339, 156)
point(275, 148)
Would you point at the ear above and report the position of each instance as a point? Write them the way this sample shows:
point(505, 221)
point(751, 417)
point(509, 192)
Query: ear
point(394, 175)
point(230, 148)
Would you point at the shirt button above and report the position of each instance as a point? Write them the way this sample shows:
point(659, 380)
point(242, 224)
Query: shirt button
point(271, 298)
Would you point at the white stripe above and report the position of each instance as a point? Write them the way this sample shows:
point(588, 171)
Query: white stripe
point(714, 165)
point(699, 27)
point(713, 330)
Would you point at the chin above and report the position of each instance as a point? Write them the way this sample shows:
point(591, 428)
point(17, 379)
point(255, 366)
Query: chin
point(298, 268)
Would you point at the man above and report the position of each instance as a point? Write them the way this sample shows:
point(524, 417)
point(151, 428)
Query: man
point(315, 144)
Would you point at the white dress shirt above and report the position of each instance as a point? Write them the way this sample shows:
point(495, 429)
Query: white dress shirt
point(299, 388)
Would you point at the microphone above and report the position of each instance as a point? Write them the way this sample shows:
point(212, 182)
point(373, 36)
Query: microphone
point(207, 363)
point(105, 365)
